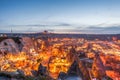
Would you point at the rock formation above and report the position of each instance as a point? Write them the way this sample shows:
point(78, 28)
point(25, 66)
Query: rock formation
point(9, 46)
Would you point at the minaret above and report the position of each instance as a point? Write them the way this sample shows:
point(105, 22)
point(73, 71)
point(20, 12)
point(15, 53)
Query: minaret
point(11, 30)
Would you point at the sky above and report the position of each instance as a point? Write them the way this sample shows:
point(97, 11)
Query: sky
point(60, 16)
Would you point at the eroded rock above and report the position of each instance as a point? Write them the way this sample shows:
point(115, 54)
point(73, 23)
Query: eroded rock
point(8, 46)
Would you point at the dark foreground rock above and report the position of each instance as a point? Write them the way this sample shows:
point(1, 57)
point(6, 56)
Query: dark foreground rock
point(19, 75)
point(72, 73)
point(73, 68)
point(42, 70)
point(62, 76)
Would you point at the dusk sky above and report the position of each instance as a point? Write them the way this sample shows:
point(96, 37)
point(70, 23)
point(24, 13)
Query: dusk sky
point(60, 16)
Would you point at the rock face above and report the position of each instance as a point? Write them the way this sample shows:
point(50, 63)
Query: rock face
point(8, 46)
point(28, 45)
point(98, 68)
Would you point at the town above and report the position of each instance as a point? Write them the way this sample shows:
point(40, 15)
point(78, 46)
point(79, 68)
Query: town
point(59, 56)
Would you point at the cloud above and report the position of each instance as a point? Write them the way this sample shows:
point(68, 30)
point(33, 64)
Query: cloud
point(113, 29)
point(63, 24)
point(42, 25)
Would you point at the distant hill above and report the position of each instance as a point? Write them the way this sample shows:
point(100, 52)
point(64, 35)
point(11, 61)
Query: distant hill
point(52, 35)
